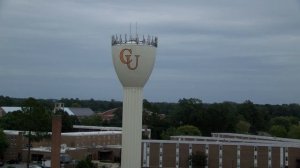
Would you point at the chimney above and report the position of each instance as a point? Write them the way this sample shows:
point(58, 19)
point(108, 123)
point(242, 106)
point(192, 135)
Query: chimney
point(55, 141)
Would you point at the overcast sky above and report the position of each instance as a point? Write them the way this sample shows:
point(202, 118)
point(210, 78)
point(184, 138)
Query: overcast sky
point(216, 51)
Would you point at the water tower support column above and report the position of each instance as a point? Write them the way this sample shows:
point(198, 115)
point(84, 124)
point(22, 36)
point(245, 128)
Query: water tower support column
point(132, 124)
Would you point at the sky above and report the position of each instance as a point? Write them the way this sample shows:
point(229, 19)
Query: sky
point(215, 50)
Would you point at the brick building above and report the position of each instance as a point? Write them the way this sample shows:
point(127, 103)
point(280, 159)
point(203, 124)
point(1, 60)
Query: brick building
point(78, 145)
point(222, 149)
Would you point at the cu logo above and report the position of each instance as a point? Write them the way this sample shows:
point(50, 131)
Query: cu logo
point(126, 59)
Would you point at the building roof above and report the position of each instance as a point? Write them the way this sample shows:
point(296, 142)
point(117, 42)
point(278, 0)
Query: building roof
point(80, 112)
point(100, 128)
point(16, 132)
point(238, 139)
point(11, 132)
point(109, 114)
point(86, 127)
point(67, 110)
point(90, 133)
point(10, 109)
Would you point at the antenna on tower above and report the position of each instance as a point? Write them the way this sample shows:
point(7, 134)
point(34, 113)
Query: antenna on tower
point(136, 29)
point(130, 33)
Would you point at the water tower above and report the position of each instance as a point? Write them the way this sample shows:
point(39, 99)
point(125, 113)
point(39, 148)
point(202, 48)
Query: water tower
point(133, 60)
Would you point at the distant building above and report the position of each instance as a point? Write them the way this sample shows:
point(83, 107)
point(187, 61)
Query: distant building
point(77, 145)
point(222, 150)
point(4, 110)
point(74, 111)
point(80, 112)
point(77, 111)
point(109, 114)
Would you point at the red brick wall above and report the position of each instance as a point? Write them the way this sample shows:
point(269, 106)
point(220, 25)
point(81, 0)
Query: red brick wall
point(56, 140)
point(247, 155)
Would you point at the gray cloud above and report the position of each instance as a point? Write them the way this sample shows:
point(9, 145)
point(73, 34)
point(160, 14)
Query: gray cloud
point(214, 50)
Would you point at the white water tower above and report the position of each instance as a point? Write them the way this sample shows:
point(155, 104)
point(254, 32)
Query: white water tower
point(133, 61)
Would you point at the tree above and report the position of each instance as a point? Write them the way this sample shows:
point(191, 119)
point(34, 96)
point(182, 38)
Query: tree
point(285, 121)
point(93, 120)
point(182, 130)
point(167, 133)
point(188, 130)
point(242, 127)
point(150, 106)
point(294, 132)
point(86, 163)
point(219, 117)
point(34, 120)
point(282, 121)
point(253, 116)
point(155, 122)
point(3, 143)
point(117, 119)
point(187, 112)
point(36, 123)
point(278, 131)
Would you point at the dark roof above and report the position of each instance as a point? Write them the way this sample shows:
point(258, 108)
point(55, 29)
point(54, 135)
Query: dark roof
point(82, 112)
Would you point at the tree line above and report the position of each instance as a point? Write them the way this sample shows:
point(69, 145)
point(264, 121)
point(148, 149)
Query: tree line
point(247, 117)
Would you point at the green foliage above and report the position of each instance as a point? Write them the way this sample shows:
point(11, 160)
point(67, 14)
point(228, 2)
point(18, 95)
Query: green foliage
point(33, 117)
point(3, 143)
point(12, 120)
point(294, 132)
point(86, 163)
point(117, 119)
point(155, 122)
point(216, 117)
point(253, 115)
point(187, 111)
point(150, 106)
point(188, 130)
point(243, 127)
point(219, 117)
point(169, 132)
point(285, 121)
point(93, 120)
point(278, 131)
point(182, 130)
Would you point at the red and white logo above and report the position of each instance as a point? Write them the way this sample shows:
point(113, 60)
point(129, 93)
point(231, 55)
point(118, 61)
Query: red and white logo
point(125, 58)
